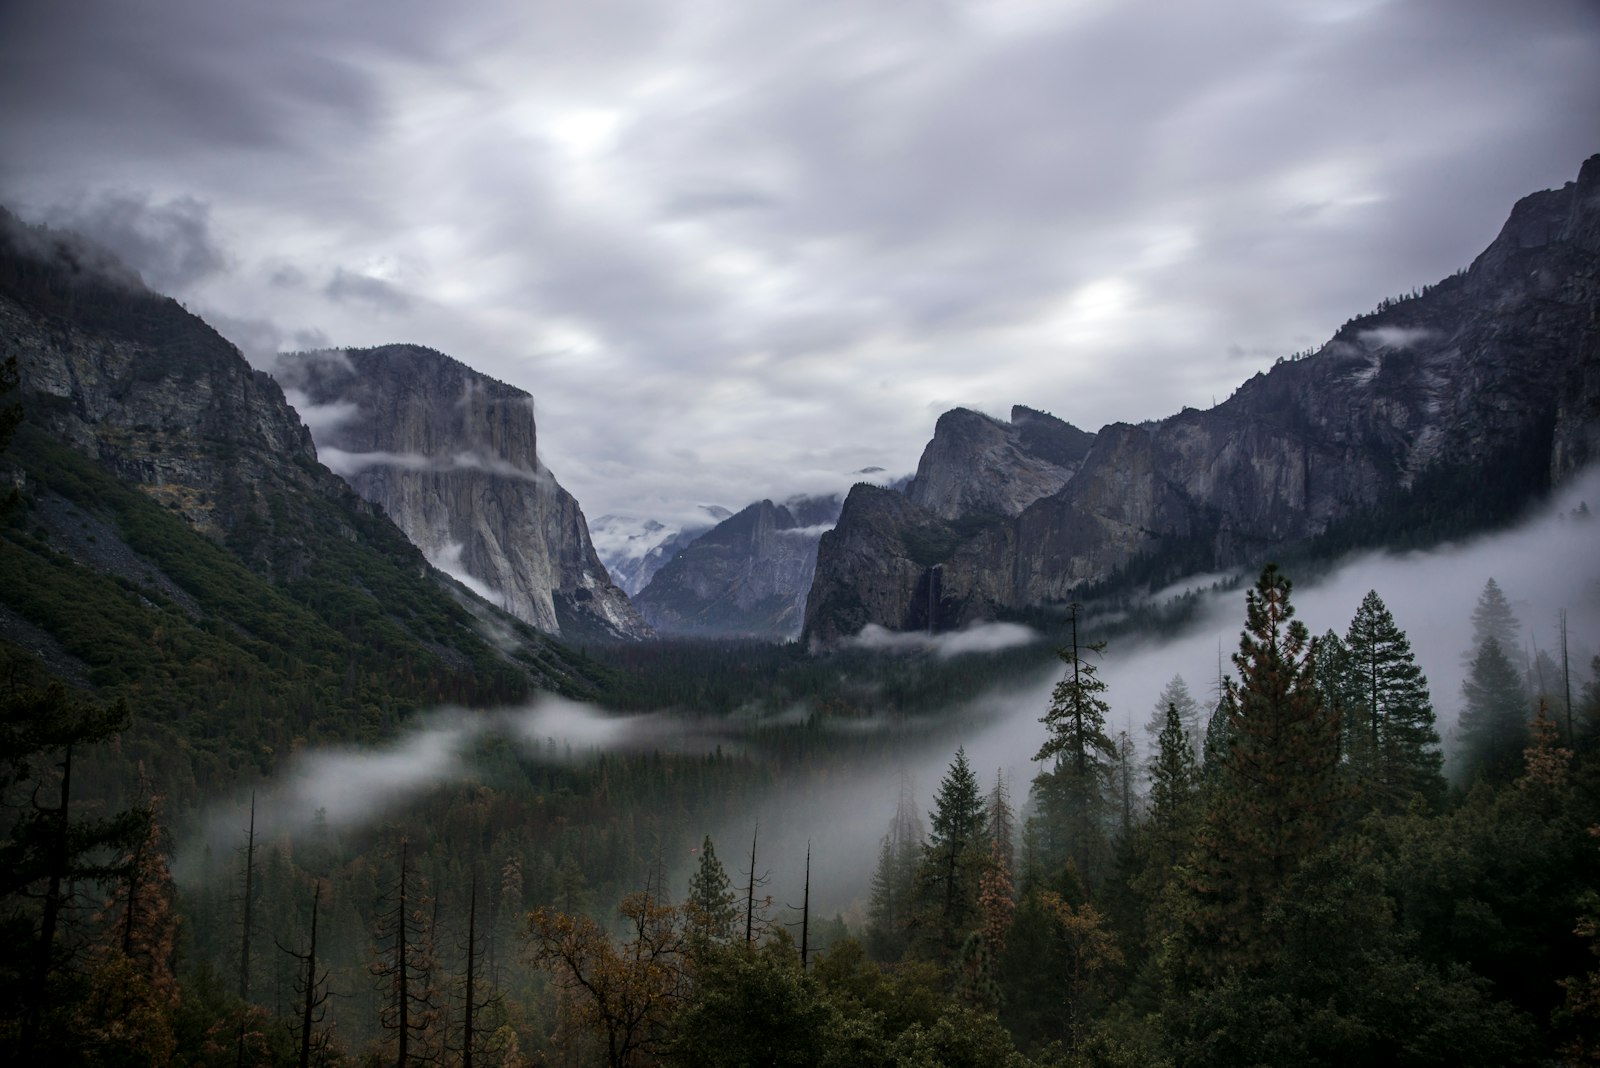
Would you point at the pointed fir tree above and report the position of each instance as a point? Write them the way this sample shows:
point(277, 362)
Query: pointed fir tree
point(1176, 693)
point(711, 907)
point(1336, 677)
point(1072, 796)
point(1166, 837)
point(1492, 618)
point(1388, 709)
point(1174, 774)
point(1494, 718)
point(1219, 738)
point(952, 859)
point(894, 882)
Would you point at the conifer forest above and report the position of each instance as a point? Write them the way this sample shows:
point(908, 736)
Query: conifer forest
point(1285, 865)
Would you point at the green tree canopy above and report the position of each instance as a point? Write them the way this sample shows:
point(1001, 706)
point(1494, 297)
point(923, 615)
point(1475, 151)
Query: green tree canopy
point(1390, 718)
point(1278, 797)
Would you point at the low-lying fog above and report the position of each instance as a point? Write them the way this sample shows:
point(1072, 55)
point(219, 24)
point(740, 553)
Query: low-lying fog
point(1547, 565)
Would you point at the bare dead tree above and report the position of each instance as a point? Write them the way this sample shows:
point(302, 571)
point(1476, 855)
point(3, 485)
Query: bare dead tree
point(312, 991)
point(1566, 675)
point(404, 963)
point(246, 922)
point(475, 1002)
point(753, 883)
point(805, 913)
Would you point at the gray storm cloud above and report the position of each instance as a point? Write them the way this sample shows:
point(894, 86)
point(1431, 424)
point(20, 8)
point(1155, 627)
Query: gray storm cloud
point(346, 285)
point(170, 244)
point(320, 418)
point(734, 250)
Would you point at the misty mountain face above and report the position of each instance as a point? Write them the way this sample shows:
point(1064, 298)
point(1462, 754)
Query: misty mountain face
point(450, 455)
point(155, 395)
point(1437, 414)
point(746, 577)
point(172, 502)
point(634, 549)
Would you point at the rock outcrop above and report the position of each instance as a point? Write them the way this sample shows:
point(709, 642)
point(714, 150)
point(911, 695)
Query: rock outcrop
point(746, 577)
point(451, 455)
point(1437, 414)
point(977, 465)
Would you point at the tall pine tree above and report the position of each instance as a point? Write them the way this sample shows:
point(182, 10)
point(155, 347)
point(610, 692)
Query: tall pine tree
point(711, 907)
point(1072, 796)
point(1389, 710)
point(952, 861)
point(1279, 793)
point(1492, 618)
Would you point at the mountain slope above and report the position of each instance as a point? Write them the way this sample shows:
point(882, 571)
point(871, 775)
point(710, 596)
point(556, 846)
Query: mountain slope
point(1433, 416)
point(746, 577)
point(177, 543)
point(451, 455)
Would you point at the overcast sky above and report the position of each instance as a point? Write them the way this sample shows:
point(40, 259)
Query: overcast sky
point(744, 249)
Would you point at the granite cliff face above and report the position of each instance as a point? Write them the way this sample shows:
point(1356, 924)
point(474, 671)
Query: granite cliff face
point(1438, 413)
point(746, 577)
point(451, 456)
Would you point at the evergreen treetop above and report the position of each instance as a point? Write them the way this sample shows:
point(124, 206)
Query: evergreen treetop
point(712, 906)
point(1492, 618)
point(1389, 717)
point(1076, 720)
point(957, 819)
